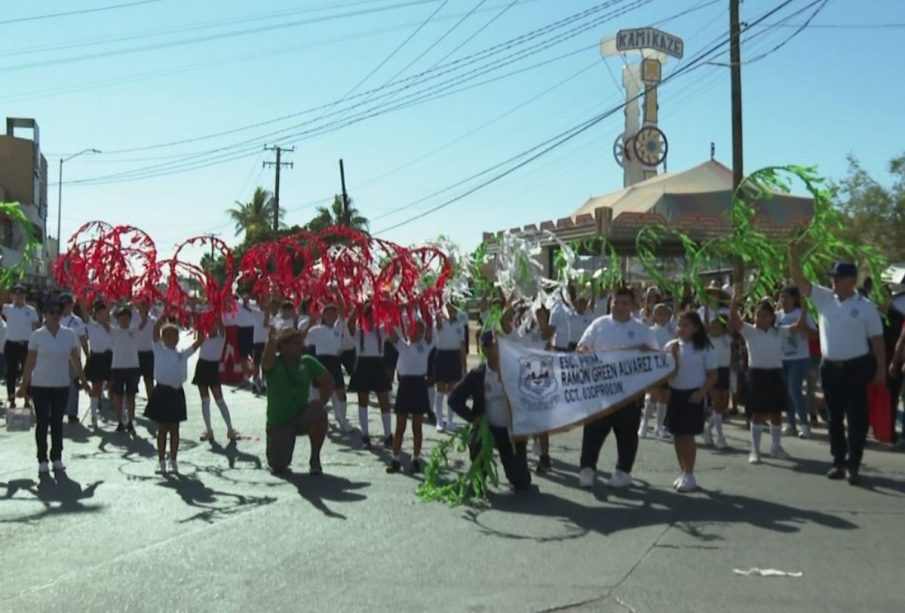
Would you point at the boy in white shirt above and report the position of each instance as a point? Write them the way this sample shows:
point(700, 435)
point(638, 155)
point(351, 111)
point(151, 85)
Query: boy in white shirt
point(125, 371)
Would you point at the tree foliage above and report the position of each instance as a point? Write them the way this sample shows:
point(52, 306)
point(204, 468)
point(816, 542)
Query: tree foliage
point(255, 217)
point(337, 215)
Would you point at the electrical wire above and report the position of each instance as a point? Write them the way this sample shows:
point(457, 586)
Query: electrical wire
point(77, 12)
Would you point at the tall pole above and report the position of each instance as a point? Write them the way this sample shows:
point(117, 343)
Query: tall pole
point(735, 66)
point(278, 164)
point(342, 179)
point(60, 196)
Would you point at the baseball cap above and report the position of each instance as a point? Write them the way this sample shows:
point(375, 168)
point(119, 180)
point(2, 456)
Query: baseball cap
point(844, 269)
point(66, 298)
point(18, 288)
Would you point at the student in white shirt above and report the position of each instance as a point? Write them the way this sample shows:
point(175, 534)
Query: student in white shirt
point(21, 320)
point(369, 374)
point(664, 330)
point(556, 325)
point(52, 350)
point(694, 378)
point(146, 346)
point(73, 322)
point(796, 361)
point(207, 378)
point(767, 397)
point(449, 336)
point(261, 333)
point(99, 358)
point(167, 404)
point(245, 323)
point(125, 371)
point(411, 396)
point(2, 344)
point(324, 341)
point(721, 339)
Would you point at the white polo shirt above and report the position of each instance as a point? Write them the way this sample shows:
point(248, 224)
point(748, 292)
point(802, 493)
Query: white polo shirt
point(171, 365)
point(125, 345)
point(722, 345)
point(99, 340)
point(693, 366)
point(845, 325)
point(606, 334)
point(451, 336)
point(326, 340)
point(495, 400)
point(52, 356)
point(765, 347)
point(146, 334)
point(530, 339)
point(796, 345)
point(412, 358)
point(74, 323)
point(19, 322)
point(373, 343)
point(663, 334)
point(561, 320)
point(282, 323)
point(261, 332)
point(212, 348)
point(2, 331)
point(244, 314)
point(578, 324)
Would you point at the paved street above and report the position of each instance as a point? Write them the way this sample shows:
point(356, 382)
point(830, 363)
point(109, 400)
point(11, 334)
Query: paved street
point(225, 535)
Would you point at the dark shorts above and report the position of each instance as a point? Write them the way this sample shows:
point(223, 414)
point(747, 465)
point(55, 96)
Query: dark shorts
point(281, 439)
point(146, 364)
point(207, 373)
point(167, 405)
point(412, 397)
point(124, 381)
point(447, 366)
point(335, 368)
point(767, 392)
point(722, 379)
point(431, 357)
point(258, 352)
point(347, 359)
point(245, 338)
point(98, 366)
point(369, 375)
point(684, 417)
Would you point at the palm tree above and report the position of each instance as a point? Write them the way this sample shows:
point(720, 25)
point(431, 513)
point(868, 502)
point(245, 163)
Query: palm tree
point(256, 215)
point(338, 215)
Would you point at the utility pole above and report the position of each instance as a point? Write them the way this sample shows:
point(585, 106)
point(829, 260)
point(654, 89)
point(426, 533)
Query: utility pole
point(735, 66)
point(278, 164)
point(342, 179)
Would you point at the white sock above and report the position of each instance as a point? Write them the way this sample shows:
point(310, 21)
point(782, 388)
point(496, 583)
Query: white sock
point(363, 419)
point(718, 424)
point(124, 412)
point(450, 414)
point(339, 409)
point(776, 434)
point(439, 401)
point(661, 414)
point(756, 431)
point(224, 412)
point(645, 415)
point(387, 419)
point(432, 395)
point(206, 413)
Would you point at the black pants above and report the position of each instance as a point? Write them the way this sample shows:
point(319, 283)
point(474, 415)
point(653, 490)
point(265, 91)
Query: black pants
point(624, 423)
point(845, 390)
point(50, 404)
point(15, 354)
point(513, 456)
point(894, 385)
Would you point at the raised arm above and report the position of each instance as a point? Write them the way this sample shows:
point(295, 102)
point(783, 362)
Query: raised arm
point(795, 269)
point(155, 334)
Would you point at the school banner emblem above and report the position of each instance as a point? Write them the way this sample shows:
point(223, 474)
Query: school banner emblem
point(555, 391)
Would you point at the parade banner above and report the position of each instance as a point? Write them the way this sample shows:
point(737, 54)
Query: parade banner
point(550, 391)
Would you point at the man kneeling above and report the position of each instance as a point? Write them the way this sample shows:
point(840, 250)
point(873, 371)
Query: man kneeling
point(289, 373)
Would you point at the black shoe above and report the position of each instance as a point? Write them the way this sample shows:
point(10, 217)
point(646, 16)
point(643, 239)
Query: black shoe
point(416, 466)
point(388, 441)
point(121, 428)
point(315, 467)
point(544, 465)
point(836, 473)
point(73, 419)
point(853, 477)
point(394, 467)
point(130, 428)
point(366, 442)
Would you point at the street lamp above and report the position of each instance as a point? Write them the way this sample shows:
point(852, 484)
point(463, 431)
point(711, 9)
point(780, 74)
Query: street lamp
point(60, 195)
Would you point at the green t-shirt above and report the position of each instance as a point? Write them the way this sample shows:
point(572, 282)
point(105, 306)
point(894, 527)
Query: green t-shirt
point(287, 388)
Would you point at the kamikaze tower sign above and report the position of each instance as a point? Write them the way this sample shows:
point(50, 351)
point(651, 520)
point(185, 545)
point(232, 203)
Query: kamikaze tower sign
point(650, 38)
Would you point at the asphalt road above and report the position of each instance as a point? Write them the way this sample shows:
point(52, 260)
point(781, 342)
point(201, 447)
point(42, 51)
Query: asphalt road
point(225, 535)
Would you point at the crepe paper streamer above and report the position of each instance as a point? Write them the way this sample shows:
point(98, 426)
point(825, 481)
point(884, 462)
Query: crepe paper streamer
point(767, 572)
point(474, 483)
point(13, 211)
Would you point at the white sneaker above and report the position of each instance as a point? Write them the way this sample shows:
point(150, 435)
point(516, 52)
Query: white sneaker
point(805, 433)
point(642, 431)
point(161, 468)
point(779, 453)
point(344, 426)
point(708, 439)
point(619, 479)
point(675, 484)
point(43, 468)
point(688, 484)
point(441, 427)
point(663, 433)
point(58, 465)
point(788, 429)
point(586, 478)
point(721, 443)
point(452, 426)
point(754, 457)
point(174, 466)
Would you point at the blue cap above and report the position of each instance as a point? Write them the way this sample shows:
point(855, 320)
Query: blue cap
point(844, 269)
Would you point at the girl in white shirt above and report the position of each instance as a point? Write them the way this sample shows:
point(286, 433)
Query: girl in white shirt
point(325, 341)
point(369, 374)
point(694, 378)
point(718, 332)
point(411, 396)
point(167, 404)
point(100, 356)
point(664, 330)
point(207, 378)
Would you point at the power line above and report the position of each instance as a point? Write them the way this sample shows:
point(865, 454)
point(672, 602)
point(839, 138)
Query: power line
point(476, 32)
point(78, 12)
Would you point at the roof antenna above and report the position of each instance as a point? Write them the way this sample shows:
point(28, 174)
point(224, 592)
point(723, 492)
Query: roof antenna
point(712, 151)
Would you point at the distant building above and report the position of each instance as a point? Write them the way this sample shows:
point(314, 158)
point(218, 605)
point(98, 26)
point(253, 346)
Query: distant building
point(23, 179)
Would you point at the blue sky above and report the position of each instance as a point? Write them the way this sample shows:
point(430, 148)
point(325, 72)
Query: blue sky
point(154, 72)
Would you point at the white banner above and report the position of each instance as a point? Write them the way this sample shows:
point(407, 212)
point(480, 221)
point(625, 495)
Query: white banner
point(550, 391)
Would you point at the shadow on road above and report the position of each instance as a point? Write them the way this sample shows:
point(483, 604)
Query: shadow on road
point(317, 489)
point(232, 453)
point(212, 504)
point(57, 494)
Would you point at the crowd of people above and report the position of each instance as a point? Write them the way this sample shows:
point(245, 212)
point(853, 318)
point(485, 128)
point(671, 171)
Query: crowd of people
point(731, 351)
